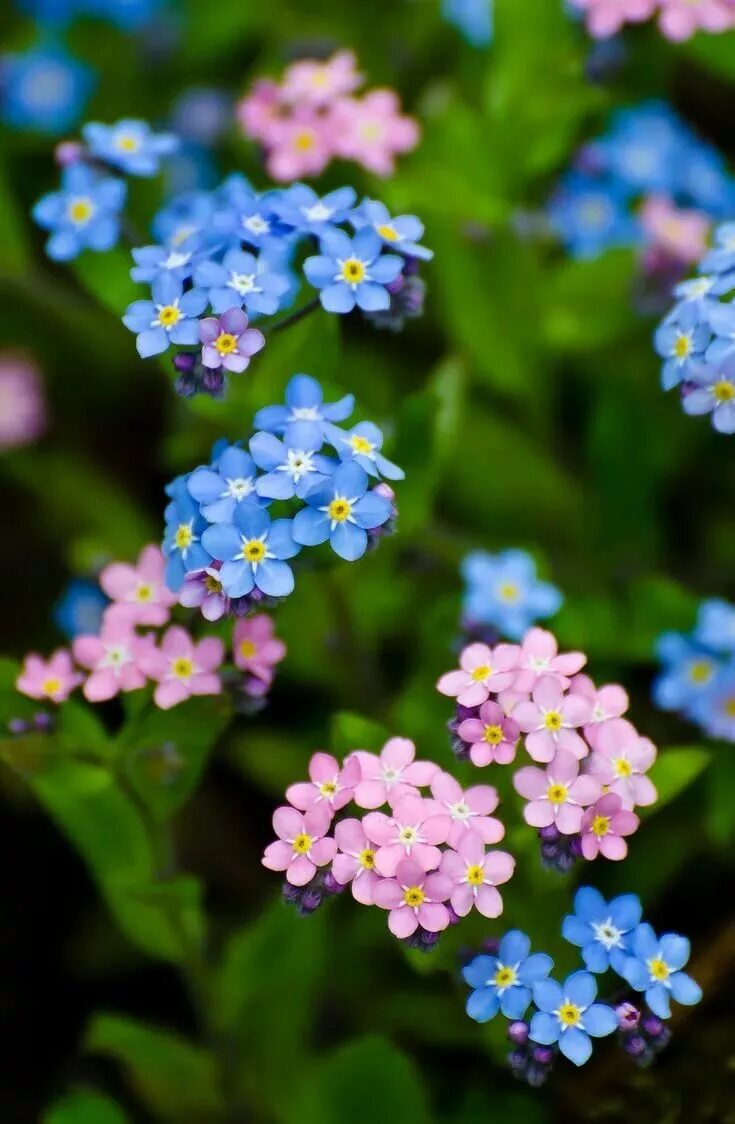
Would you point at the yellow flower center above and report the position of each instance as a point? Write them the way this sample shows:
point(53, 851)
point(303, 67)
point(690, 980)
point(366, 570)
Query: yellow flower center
point(600, 826)
point(339, 510)
point(475, 875)
point(659, 969)
point(557, 793)
point(183, 537)
point(622, 766)
point(51, 685)
point(226, 343)
point(304, 141)
point(319, 77)
point(360, 444)
point(253, 550)
point(143, 593)
point(212, 585)
point(481, 672)
point(569, 1014)
point(353, 271)
point(80, 210)
point(366, 859)
point(682, 347)
point(553, 720)
point(493, 735)
point(505, 976)
point(168, 316)
point(328, 788)
point(247, 649)
point(370, 131)
point(126, 143)
point(413, 896)
point(724, 390)
point(729, 707)
point(302, 844)
point(509, 592)
point(182, 668)
point(388, 232)
point(700, 671)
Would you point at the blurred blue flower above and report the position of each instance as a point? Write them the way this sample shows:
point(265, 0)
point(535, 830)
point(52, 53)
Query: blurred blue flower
point(655, 968)
point(129, 145)
point(252, 551)
point(182, 545)
point(567, 1014)
point(152, 262)
point(503, 591)
point(342, 511)
point(721, 259)
point(714, 710)
point(223, 486)
point(242, 280)
point(590, 216)
point(504, 982)
point(202, 114)
point(79, 610)
point(712, 391)
point(602, 930)
point(644, 147)
point(44, 89)
point(715, 627)
point(84, 213)
point(130, 15)
point(400, 233)
point(309, 213)
point(51, 13)
point(303, 419)
point(689, 670)
point(474, 18)
point(352, 271)
point(362, 444)
point(289, 471)
point(171, 317)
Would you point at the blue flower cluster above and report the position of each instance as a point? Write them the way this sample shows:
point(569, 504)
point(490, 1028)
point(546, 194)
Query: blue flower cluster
point(696, 340)
point(44, 89)
point(128, 15)
point(220, 517)
point(502, 592)
point(567, 1016)
point(647, 151)
point(698, 673)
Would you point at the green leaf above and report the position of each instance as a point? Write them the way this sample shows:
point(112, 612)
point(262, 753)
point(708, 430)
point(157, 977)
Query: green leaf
point(352, 731)
point(15, 258)
point(84, 1107)
point(175, 1078)
point(675, 769)
point(107, 277)
point(721, 786)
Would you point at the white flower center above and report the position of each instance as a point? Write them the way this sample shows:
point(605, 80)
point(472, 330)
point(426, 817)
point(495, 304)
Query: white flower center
point(459, 811)
point(607, 934)
point(318, 212)
point(238, 488)
point(298, 463)
point(243, 283)
point(115, 657)
point(305, 413)
point(256, 224)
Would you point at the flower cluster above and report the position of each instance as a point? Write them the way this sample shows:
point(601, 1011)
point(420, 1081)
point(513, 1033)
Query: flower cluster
point(124, 653)
point(566, 1016)
point(696, 340)
point(312, 116)
point(593, 762)
point(425, 860)
point(677, 19)
point(503, 593)
point(649, 181)
point(698, 671)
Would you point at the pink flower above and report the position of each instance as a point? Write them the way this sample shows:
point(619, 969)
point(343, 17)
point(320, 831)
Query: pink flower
point(556, 795)
point(606, 17)
point(467, 811)
point(115, 658)
point(413, 831)
point(355, 862)
point(475, 874)
point(22, 401)
point(329, 784)
point(183, 668)
point(255, 648)
point(608, 703)
point(372, 130)
point(302, 844)
point(603, 828)
point(202, 589)
point(491, 736)
point(299, 145)
point(139, 592)
point(391, 776)
point(620, 760)
point(260, 110)
point(414, 898)
point(53, 679)
point(551, 721)
point(310, 82)
point(482, 670)
point(228, 342)
point(679, 19)
point(538, 657)
point(677, 233)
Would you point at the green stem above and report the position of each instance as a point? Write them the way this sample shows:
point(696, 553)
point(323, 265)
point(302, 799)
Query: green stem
point(299, 314)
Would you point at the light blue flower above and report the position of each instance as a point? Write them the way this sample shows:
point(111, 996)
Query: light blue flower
point(343, 511)
point(188, 214)
point(714, 710)
point(78, 612)
point(655, 968)
point(714, 393)
point(602, 929)
point(362, 444)
point(289, 471)
point(83, 214)
point(401, 233)
point(473, 18)
point(44, 89)
point(252, 551)
point(51, 13)
point(309, 213)
point(699, 292)
point(242, 280)
point(504, 982)
point(303, 419)
point(171, 317)
point(182, 544)
point(681, 340)
point(129, 145)
point(721, 259)
point(352, 271)
point(126, 14)
point(722, 322)
point(591, 216)
point(567, 1014)
point(152, 262)
point(715, 626)
point(227, 483)
point(644, 148)
point(689, 670)
point(503, 591)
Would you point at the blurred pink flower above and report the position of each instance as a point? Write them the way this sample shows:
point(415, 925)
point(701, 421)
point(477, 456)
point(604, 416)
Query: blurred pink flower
point(679, 234)
point(603, 828)
point(328, 784)
point(556, 795)
point(311, 82)
point(551, 720)
point(260, 109)
point(392, 775)
point(483, 670)
point(299, 145)
point(491, 736)
point(255, 647)
point(414, 898)
point(302, 844)
point(412, 832)
point(606, 17)
point(372, 130)
point(355, 861)
point(182, 667)
point(620, 761)
point(114, 658)
point(139, 593)
point(475, 874)
point(467, 810)
point(22, 401)
point(680, 19)
point(53, 679)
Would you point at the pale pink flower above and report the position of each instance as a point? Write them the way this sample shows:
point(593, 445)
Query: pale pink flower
point(302, 844)
point(22, 401)
point(467, 810)
point(312, 82)
point(392, 775)
point(355, 862)
point(53, 679)
point(299, 145)
point(680, 19)
point(491, 736)
point(551, 720)
point(255, 647)
point(414, 898)
point(412, 832)
point(115, 658)
point(372, 130)
point(606, 17)
point(183, 668)
point(482, 671)
point(679, 234)
point(608, 703)
point(260, 109)
point(621, 760)
point(539, 657)
point(328, 783)
point(556, 795)
point(475, 874)
point(139, 593)
point(202, 589)
point(603, 828)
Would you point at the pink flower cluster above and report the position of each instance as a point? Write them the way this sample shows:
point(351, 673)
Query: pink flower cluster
point(677, 19)
point(425, 859)
point(594, 762)
point(124, 658)
point(312, 116)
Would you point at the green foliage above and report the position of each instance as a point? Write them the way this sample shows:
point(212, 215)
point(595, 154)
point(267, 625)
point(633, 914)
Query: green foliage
point(675, 770)
point(85, 1107)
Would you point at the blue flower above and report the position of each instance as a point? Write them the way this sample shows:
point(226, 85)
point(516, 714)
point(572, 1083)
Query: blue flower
point(715, 626)
point(655, 968)
point(689, 670)
point(474, 18)
point(590, 216)
point(714, 710)
point(680, 340)
point(289, 471)
point(645, 148)
point(503, 591)
point(722, 321)
point(44, 89)
point(186, 215)
point(256, 218)
point(303, 419)
point(129, 145)
point(343, 511)
point(221, 488)
point(602, 929)
point(152, 262)
point(504, 982)
point(362, 444)
point(567, 1014)
point(84, 214)
point(127, 14)
point(352, 271)
point(309, 213)
point(182, 544)
point(171, 317)
point(713, 392)
point(241, 280)
point(699, 292)
point(400, 233)
point(705, 180)
point(51, 13)
point(79, 610)
point(252, 552)
point(202, 114)
point(722, 258)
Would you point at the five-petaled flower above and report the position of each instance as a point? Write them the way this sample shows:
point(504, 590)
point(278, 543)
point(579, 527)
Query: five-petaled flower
point(475, 874)
point(468, 810)
point(490, 735)
point(391, 775)
point(83, 214)
point(139, 593)
point(253, 550)
point(328, 783)
point(302, 844)
point(352, 271)
point(224, 485)
point(342, 510)
point(504, 982)
point(414, 899)
point(413, 831)
point(567, 1014)
point(604, 827)
point(228, 342)
point(53, 679)
point(355, 861)
point(182, 667)
point(603, 930)
point(655, 967)
point(481, 670)
point(116, 658)
point(552, 719)
point(129, 145)
point(557, 795)
point(170, 317)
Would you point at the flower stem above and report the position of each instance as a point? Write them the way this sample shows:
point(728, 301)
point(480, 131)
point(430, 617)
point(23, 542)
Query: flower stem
point(296, 316)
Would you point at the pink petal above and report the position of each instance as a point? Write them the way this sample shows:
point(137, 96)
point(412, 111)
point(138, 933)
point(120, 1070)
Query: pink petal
point(547, 694)
point(323, 851)
point(403, 922)
point(624, 823)
point(118, 580)
point(101, 685)
point(209, 653)
point(643, 791)
point(344, 868)
point(170, 693)
point(453, 683)
point(436, 829)
point(379, 828)
point(410, 873)
point(433, 917)
point(473, 695)
point(302, 795)
point(351, 773)
point(471, 848)
point(350, 836)
point(370, 794)
point(323, 767)
point(472, 729)
point(499, 867)
point(427, 857)
point(388, 859)
point(539, 813)
point(300, 871)
point(569, 663)
point(530, 783)
point(571, 742)
point(569, 819)
point(481, 755)
point(590, 846)
point(488, 901)
point(613, 699)
point(475, 655)
point(615, 736)
point(585, 790)
point(397, 753)
point(482, 799)
point(576, 710)
point(277, 855)
point(387, 893)
point(317, 820)
point(363, 887)
point(488, 828)
point(438, 887)
point(613, 847)
point(411, 810)
point(87, 651)
point(642, 755)
point(541, 746)
point(463, 899)
point(288, 823)
point(564, 768)
point(453, 865)
point(505, 657)
point(445, 787)
point(420, 773)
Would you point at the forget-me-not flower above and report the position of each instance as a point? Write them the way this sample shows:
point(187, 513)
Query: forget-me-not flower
point(182, 544)
point(602, 929)
point(221, 488)
point(289, 471)
point(362, 444)
point(689, 670)
point(655, 969)
point(302, 421)
point(352, 272)
point(713, 392)
point(503, 591)
point(83, 214)
point(567, 1014)
point(715, 626)
point(44, 88)
point(171, 317)
point(242, 280)
point(401, 233)
point(129, 145)
point(343, 511)
point(681, 341)
point(307, 212)
point(504, 982)
point(253, 552)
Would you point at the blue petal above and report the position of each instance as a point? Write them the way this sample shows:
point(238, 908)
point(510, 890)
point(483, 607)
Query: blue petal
point(280, 539)
point(185, 333)
point(276, 486)
point(599, 1020)
point(222, 541)
point(235, 464)
point(153, 341)
point(482, 1005)
point(205, 486)
point(581, 988)
point(634, 972)
point(237, 578)
point(674, 950)
point(337, 297)
point(348, 541)
point(386, 268)
point(645, 943)
point(596, 957)
point(221, 511)
point(480, 970)
point(625, 911)
point(350, 480)
point(372, 511)
point(535, 967)
point(268, 452)
point(547, 995)
point(575, 1045)
point(303, 391)
point(310, 527)
point(371, 297)
point(514, 1002)
point(274, 577)
point(320, 271)
point(684, 989)
point(544, 1028)
point(576, 931)
point(657, 998)
point(271, 418)
point(589, 904)
point(514, 947)
point(252, 520)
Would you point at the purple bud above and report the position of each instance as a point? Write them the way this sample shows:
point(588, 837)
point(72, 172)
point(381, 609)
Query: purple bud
point(454, 918)
point(575, 846)
point(544, 1055)
point(635, 1045)
point(331, 885)
point(549, 834)
point(68, 152)
point(18, 726)
point(185, 361)
point(518, 1032)
point(517, 1060)
point(43, 722)
point(310, 901)
point(213, 381)
point(652, 1025)
point(628, 1016)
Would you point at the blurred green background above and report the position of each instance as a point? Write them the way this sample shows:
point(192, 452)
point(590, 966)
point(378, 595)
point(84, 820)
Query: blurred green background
point(526, 410)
